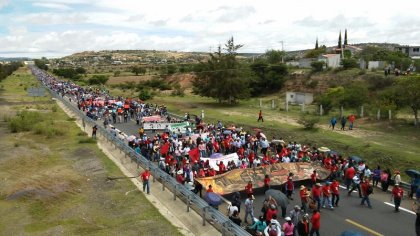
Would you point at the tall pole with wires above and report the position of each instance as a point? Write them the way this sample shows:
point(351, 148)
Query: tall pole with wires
point(282, 51)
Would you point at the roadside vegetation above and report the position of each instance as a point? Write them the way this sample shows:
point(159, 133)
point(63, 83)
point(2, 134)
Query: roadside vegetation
point(54, 176)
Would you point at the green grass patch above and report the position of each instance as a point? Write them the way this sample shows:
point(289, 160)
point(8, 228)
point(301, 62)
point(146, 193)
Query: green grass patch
point(87, 140)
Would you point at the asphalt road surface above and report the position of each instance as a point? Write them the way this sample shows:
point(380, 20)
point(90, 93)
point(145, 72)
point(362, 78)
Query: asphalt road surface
point(350, 215)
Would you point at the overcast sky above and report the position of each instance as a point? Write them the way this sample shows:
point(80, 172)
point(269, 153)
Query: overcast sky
point(56, 28)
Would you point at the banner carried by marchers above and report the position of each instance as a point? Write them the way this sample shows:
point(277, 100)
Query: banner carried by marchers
point(227, 158)
point(235, 180)
point(173, 127)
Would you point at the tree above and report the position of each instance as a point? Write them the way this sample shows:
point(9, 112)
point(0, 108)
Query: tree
point(80, 70)
point(316, 52)
point(138, 70)
point(316, 43)
point(408, 94)
point(222, 76)
point(171, 69)
point(349, 63)
point(267, 78)
point(345, 37)
point(98, 80)
point(274, 56)
point(317, 66)
point(339, 40)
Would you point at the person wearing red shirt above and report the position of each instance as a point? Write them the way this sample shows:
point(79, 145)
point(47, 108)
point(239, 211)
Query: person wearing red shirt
point(248, 189)
point(222, 168)
point(212, 172)
point(316, 194)
point(145, 176)
point(349, 174)
point(241, 152)
point(180, 177)
point(365, 193)
point(251, 158)
point(313, 177)
point(316, 222)
point(304, 197)
point(201, 173)
point(267, 182)
point(272, 211)
point(397, 194)
point(210, 189)
point(335, 192)
point(326, 195)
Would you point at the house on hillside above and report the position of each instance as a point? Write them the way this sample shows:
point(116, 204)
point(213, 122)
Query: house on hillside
point(299, 98)
point(331, 60)
point(411, 51)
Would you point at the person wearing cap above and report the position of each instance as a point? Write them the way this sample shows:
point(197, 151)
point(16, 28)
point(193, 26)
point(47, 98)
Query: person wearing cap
point(397, 195)
point(295, 215)
point(249, 208)
point(303, 226)
point(288, 227)
point(304, 197)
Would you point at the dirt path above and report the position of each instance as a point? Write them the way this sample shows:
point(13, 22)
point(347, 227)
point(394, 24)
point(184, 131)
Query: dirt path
point(357, 133)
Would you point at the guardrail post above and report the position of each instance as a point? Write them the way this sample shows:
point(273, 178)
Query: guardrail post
point(204, 215)
point(175, 192)
point(188, 202)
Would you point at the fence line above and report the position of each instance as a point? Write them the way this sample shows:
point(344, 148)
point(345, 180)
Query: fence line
point(208, 213)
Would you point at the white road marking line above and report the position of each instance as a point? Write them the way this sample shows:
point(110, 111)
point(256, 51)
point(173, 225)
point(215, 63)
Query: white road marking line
point(401, 208)
point(343, 187)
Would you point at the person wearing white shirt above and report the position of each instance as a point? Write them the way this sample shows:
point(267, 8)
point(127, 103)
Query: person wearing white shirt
point(285, 159)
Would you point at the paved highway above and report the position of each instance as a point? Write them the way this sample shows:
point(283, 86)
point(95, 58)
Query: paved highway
point(350, 215)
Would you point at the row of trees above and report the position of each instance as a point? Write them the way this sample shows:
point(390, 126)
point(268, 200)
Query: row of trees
point(385, 93)
point(70, 73)
point(8, 69)
point(225, 79)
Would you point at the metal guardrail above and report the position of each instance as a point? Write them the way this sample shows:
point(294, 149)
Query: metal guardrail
point(208, 213)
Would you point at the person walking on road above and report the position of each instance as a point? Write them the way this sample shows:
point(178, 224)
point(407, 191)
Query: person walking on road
point(316, 195)
point(288, 227)
point(335, 192)
point(316, 222)
point(303, 226)
point(367, 190)
point(249, 208)
point(397, 195)
point(304, 197)
point(326, 195)
point(260, 117)
point(356, 185)
point(145, 179)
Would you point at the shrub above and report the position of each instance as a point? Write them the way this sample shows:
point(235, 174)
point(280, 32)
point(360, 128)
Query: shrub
point(87, 140)
point(308, 122)
point(178, 90)
point(24, 121)
point(48, 130)
point(54, 108)
point(145, 94)
point(317, 66)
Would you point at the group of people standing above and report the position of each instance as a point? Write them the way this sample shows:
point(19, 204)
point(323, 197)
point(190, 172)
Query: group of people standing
point(343, 121)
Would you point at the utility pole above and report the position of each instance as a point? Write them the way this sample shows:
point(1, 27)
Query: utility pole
point(282, 50)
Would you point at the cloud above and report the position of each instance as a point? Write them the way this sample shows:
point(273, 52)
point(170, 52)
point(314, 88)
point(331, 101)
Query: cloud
point(158, 23)
point(137, 17)
point(56, 6)
point(232, 14)
point(4, 3)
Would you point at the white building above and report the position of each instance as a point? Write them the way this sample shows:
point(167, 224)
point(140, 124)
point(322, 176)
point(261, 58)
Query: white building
point(331, 60)
point(299, 98)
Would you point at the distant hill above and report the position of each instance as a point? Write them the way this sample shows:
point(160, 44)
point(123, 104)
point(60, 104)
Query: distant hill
point(14, 59)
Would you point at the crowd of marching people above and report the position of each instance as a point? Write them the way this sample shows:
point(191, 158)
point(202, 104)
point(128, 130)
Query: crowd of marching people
point(180, 155)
